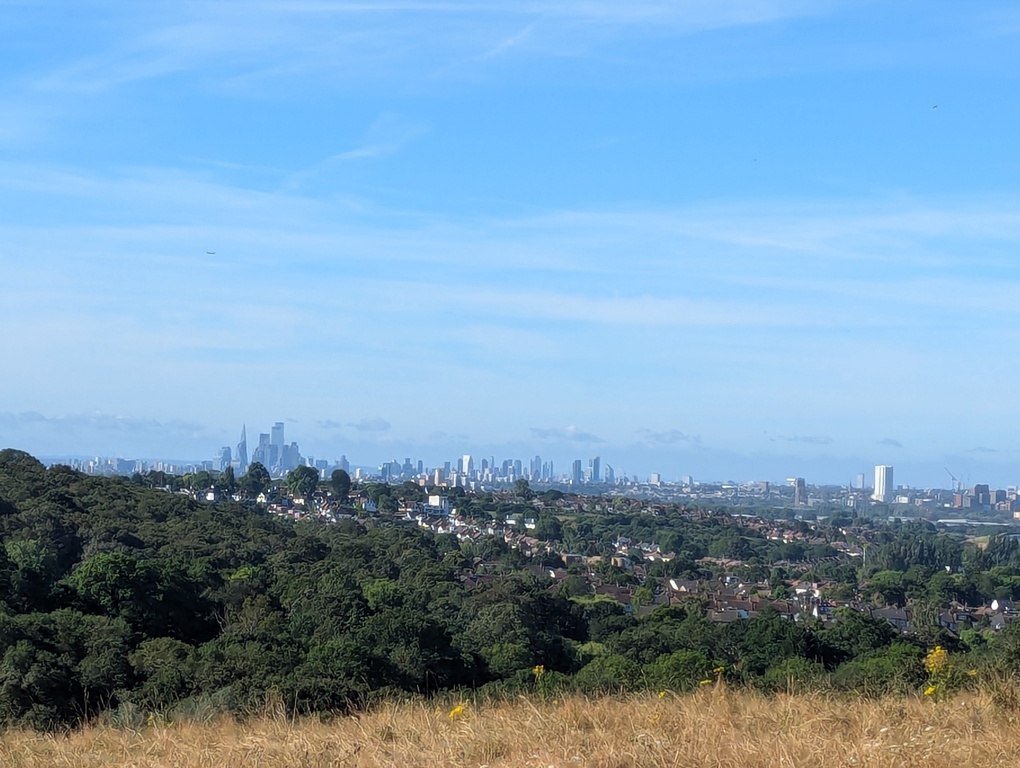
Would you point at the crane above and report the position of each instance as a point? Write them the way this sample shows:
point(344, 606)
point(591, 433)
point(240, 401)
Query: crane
point(957, 485)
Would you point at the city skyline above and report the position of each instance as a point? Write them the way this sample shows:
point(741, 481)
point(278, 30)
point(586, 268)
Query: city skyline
point(275, 454)
point(733, 239)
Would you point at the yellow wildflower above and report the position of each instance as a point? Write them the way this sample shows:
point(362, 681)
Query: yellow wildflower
point(930, 690)
point(538, 670)
point(705, 682)
point(972, 673)
point(719, 670)
point(457, 711)
point(662, 694)
point(937, 660)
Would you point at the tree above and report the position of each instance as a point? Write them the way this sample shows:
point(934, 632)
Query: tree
point(887, 587)
point(302, 481)
point(857, 634)
point(523, 489)
point(341, 482)
point(227, 480)
point(256, 480)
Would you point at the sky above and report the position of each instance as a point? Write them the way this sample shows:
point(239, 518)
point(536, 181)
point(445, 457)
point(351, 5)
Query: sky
point(732, 239)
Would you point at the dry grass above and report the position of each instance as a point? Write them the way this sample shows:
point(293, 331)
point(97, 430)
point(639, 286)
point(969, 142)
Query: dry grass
point(714, 727)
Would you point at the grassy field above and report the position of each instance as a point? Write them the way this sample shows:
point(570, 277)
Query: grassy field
point(714, 727)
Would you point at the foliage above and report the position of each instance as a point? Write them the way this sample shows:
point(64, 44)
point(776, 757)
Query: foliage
point(124, 597)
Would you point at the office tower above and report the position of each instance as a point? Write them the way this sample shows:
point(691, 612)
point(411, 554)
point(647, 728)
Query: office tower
point(610, 475)
point(261, 454)
point(860, 481)
point(595, 469)
point(883, 483)
point(982, 494)
point(223, 459)
point(799, 491)
point(290, 457)
point(277, 436)
point(344, 464)
point(575, 474)
point(242, 451)
point(655, 479)
point(467, 464)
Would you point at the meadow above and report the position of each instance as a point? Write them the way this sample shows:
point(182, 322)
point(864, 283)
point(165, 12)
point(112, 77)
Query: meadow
point(714, 726)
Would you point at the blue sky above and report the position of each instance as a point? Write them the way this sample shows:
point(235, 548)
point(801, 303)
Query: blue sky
point(738, 240)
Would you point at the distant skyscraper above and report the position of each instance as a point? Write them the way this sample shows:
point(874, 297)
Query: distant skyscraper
point(883, 483)
point(595, 469)
point(277, 436)
point(610, 475)
point(575, 474)
point(261, 454)
point(860, 481)
point(242, 451)
point(799, 491)
point(467, 464)
point(224, 458)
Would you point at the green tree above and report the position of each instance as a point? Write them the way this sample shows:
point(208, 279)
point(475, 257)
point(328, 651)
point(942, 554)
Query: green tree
point(680, 670)
point(522, 489)
point(341, 482)
point(256, 480)
point(303, 481)
point(227, 481)
point(609, 674)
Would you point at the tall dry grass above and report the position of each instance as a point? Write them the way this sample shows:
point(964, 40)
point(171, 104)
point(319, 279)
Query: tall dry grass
point(714, 727)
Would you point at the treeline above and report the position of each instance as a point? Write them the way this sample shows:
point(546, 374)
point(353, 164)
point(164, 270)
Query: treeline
point(115, 598)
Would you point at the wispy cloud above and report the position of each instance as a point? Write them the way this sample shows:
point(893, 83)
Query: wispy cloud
point(667, 437)
point(375, 424)
point(440, 436)
point(351, 41)
point(890, 442)
point(386, 136)
point(569, 434)
point(808, 439)
point(513, 41)
point(98, 420)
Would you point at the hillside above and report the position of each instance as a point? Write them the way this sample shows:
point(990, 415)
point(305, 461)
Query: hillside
point(117, 598)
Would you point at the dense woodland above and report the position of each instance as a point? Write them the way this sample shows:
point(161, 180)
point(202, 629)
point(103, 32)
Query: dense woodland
point(116, 597)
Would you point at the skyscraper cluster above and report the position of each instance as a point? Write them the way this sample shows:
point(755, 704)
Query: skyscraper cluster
point(467, 469)
point(272, 452)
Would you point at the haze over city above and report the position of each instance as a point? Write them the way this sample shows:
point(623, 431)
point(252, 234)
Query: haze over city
point(732, 240)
